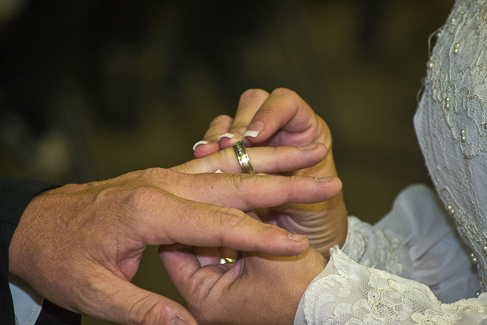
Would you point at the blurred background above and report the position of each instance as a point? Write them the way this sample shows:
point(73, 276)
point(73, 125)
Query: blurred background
point(92, 89)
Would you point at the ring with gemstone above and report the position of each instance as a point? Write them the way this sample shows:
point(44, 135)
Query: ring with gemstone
point(243, 158)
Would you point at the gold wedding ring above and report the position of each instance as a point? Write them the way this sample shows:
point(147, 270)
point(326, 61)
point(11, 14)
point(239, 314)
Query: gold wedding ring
point(243, 158)
point(227, 260)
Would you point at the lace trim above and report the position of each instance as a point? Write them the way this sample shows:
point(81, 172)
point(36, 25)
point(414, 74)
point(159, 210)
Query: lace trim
point(355, 294)
point(369, 246)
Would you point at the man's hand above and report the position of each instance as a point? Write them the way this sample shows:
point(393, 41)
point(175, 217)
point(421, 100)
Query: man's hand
point(257, 289)
point(80, 245)
point(282, 118)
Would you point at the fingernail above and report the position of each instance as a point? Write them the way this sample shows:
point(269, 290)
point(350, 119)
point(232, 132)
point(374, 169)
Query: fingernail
point(325, 179)
point(218, 171)
point(198, 143)
point(254, 129)
point(310, 146)
point(296, 237)
point(251, 134)
point(177, 321)
point(226, 135)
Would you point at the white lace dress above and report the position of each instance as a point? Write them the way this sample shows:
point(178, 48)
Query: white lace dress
point(399, 270)
point(360, 285)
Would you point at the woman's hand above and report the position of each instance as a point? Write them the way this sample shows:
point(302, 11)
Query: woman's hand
point(257, 289)
point(282, 118)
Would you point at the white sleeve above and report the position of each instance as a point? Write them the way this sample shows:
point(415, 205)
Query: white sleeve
point(349, 293)
point(27, 302)
point(370, 246)
point(417, 241)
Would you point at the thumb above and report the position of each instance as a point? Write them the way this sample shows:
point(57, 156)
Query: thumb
point(125, 303)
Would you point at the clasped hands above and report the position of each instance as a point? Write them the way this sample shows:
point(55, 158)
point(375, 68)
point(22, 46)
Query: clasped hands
point(80, 245)
point(262, 289)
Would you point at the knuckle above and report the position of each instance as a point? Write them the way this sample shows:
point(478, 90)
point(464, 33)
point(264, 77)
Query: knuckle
point(227, 219)
point(197, 293)
point(75, 187)
point(144, 194)
point(253, 94)
point(146, 189)
point(230, 218)
point(206, 317)
point(220, 119)
point(245, 185)
point(240, 126)
point(278, 157)
point(285, 92)
point(237, 182)
point(150, 185)
point(157, 174)
point(160, 177)
point(147, 313)
point(294, 185)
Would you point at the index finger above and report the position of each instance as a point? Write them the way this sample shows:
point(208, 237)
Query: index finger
point(284, 110)
point(264, 160)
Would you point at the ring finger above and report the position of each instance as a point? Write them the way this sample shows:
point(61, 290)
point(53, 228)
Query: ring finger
point(264, 160)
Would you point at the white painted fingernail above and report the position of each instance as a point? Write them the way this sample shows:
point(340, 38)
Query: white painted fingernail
point(254, 129)
point(198, 143)
point(251, 134)
point(219, 171)
point(226, 135)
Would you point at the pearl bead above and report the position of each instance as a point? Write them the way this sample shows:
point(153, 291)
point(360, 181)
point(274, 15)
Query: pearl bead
point(474, 258)
point(484, 249)
point(430, 65)
point(463, 135)
point(477, 294)
point(451, 210)
point(456, 48)
point(453, 21)
point(447, 103)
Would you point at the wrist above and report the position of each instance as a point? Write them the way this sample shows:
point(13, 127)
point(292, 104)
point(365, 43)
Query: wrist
point(18, 247)
point(333, 229)
point(26, 232)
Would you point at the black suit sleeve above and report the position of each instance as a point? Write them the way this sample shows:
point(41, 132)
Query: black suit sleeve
point(15, 194)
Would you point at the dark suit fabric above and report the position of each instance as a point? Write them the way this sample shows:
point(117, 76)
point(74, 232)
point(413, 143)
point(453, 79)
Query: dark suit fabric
point(15, 195)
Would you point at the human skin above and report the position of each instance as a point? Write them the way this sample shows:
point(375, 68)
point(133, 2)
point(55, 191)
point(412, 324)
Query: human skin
point(257, 289)
point(282, 118)
point(79, 245)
